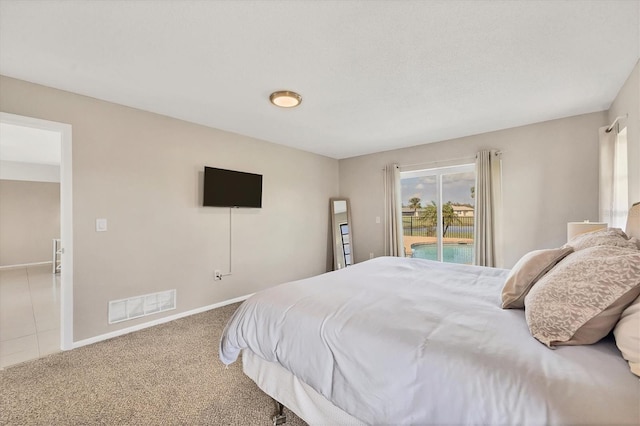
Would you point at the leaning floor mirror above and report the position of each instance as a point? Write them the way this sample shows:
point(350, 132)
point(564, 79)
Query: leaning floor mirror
point(341, 229)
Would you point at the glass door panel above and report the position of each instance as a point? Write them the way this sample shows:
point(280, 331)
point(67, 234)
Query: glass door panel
point(458, 195)
point(419, 216)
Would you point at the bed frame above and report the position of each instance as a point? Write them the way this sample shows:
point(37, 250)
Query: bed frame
point(287, 390)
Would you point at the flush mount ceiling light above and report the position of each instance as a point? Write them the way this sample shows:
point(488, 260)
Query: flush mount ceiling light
point(285, 99)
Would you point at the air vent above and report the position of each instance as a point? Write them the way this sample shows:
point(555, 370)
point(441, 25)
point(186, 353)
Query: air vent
point(140, 306)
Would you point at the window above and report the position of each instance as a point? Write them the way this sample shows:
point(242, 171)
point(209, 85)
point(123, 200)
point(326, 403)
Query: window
point(620, 182)
point(438, 213)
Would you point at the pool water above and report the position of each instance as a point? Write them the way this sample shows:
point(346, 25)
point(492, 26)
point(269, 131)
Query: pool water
point(452, 253)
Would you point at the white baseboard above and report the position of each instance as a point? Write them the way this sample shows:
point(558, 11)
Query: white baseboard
point(24, 265)
point(162, 320)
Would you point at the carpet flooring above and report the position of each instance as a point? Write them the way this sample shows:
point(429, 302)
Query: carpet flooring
point(169, 374)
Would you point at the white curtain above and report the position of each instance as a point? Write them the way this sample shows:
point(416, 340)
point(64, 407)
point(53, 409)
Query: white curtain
point(393, 242)
point(487, 231)
point(613, 199)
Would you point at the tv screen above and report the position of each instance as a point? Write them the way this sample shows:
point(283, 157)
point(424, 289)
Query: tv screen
point(229, 188)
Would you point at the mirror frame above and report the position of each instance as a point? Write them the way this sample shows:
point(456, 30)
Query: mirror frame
point(334, 225)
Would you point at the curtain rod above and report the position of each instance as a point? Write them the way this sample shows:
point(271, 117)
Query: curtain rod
point(471, 157)
point(438, 161)
point(621, 117)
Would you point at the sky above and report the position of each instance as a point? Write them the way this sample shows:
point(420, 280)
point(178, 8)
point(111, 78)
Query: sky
point(455, 188)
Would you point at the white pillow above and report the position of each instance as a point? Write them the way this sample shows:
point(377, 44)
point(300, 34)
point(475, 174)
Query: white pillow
point(627, 334)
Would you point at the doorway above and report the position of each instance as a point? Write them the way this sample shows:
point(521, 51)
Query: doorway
point(37, 276)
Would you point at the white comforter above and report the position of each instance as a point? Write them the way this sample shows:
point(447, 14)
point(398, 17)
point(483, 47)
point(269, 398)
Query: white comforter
point(411, 341)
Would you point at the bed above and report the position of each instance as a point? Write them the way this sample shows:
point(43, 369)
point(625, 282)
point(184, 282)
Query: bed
point(412, 341)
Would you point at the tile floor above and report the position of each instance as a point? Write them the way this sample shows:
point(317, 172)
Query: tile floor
point(29, 313)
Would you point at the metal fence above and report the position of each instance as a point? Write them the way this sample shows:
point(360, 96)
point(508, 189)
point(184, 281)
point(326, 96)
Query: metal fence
point(458, 227)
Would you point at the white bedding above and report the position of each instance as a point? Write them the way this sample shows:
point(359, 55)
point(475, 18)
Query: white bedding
point(411, 341)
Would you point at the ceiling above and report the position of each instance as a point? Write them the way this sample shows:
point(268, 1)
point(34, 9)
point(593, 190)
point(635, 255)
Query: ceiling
point(374, 75)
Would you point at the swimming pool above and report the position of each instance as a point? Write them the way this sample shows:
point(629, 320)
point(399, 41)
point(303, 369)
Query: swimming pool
point(452, 253)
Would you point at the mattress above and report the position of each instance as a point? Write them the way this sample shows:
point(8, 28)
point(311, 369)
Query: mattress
point(411, 341)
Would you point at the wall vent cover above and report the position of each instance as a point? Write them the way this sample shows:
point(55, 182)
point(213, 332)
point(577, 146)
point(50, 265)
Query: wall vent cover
point(140, 306)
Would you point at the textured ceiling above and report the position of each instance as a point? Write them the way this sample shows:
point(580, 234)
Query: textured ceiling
point(374, 75)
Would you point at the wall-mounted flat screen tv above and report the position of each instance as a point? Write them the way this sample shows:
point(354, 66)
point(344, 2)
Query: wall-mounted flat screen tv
point(230, 188)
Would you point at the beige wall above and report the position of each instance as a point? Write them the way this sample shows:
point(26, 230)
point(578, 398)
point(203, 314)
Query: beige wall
point(29, 220)
point(628, 102)
point(550, 177)
point(143, 173)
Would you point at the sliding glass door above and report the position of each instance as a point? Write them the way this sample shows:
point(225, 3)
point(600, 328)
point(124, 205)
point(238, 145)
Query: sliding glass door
point(438, 213)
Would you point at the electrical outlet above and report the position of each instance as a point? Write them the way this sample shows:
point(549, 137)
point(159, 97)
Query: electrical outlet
point(370, 255)
point(217, 275)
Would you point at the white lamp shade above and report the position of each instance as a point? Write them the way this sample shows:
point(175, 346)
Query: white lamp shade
point(577, 228)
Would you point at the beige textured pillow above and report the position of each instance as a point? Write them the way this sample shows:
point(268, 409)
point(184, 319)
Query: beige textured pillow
point(602, 237)
point(627, 334)
point(580, 300)
point(529, 269)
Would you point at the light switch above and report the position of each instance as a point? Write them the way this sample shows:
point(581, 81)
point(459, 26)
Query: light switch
point(101, 225)
point(377, 219)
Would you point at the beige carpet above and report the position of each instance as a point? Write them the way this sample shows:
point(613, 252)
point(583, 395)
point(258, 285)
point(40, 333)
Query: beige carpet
point(169, 374)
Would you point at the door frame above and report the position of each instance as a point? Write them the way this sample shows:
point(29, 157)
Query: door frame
point(66, 217)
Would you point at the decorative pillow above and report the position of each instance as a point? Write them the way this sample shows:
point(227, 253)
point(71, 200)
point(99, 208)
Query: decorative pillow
point(602, 237)
point(580, 300)
point(627, 334)
point(529, 269)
